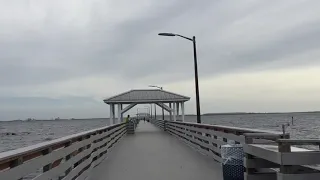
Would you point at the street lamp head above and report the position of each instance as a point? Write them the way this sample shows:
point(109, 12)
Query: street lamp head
point(155, 86)
point(166, 34)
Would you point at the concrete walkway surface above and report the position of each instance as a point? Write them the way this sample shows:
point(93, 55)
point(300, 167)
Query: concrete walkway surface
point(151, 154)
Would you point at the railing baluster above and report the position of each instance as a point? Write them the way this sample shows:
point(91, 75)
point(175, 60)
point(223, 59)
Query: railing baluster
point(16, 163)
point(48, 166)
point(67, 144)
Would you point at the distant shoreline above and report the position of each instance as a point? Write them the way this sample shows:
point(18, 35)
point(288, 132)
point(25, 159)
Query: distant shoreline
point(247, 113)
point(205, 114)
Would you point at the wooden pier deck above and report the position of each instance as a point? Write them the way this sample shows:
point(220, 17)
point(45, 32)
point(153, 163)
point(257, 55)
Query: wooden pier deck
point(154, 154)
point(162, 150)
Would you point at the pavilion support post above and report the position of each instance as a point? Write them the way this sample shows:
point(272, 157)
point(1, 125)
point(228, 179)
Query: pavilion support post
point(177, 110)
point(182, 111)
point(110, 116)
point(155, 111)
point(113, 114)
point(174, 111)
point(170, 113)
point(119, 113)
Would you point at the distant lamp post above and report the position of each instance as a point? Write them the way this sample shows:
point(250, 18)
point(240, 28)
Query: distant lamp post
point(148, 110)
point(195, 69)
point(159, 87)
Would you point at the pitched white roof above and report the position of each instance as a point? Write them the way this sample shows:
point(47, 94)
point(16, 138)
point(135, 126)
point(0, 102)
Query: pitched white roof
point(146, 96)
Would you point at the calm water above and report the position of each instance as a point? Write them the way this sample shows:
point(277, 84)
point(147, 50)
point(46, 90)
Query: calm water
point(306, 125)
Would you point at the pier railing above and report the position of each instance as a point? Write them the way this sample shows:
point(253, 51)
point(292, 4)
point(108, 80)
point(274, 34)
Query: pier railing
point(269, 155)
point(284, 161)
point(70, 157)
point(208, 139)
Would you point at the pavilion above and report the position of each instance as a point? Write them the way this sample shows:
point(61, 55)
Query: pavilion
point(169, 101)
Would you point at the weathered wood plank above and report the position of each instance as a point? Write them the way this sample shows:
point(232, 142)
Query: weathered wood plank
point(80, 145)
point(309, 176)
point(34, 164)
point(10, 155)
point(260, 176)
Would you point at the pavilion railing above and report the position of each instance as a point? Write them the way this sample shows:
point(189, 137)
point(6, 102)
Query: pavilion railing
point(70, 157)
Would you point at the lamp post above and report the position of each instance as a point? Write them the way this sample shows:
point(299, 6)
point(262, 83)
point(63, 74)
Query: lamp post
point(161, 88)
point(195, 70)
point(148, 109)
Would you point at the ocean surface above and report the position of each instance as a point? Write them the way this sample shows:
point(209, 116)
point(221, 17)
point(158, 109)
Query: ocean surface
point(17, 134)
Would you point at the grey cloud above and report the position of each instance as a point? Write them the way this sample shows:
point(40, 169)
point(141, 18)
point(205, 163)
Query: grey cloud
point(46, 102)
point(128, 49)
point(76, 54)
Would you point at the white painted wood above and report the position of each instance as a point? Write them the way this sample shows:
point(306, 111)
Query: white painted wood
point(258, 163)
point(306, 176)
point(44, 145)
point(174, 112)
point(84, 175)
point(165, 107)
point(205, 138)
point(36, 163)
point(77, 169)
point(110, 116)
point(130, 106)
point(300, 158)
point(203, 144)
point(114, 114)
point(263, 152)
point(260, 176)
point(177, 104)
point(55, 172)
point(230, 136)
point(182, 111)
point(170, 112)
point(119, 113)
point(215, 141)
point(197, 147)
point(230, 128)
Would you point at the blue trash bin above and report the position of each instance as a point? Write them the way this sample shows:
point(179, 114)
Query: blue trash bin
point(232, 162)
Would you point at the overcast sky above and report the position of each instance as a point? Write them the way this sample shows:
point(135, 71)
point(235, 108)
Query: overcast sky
point(62, 57)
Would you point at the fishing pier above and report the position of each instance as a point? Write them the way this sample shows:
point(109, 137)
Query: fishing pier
point(161, 149)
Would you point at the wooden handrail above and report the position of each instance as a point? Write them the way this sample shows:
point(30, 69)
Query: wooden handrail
point(229, 128)
point(4, 156)
point(208, 138)
point(74, 153)
point(299, 141)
